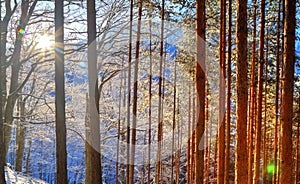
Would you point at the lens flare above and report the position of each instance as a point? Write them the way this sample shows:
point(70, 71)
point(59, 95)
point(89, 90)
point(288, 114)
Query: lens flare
point(22, 31)
point(271, 169)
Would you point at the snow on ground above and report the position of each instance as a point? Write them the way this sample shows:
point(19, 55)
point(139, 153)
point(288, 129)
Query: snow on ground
point(12, 177)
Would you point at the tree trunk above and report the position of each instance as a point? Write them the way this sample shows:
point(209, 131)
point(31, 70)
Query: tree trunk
point(221, 117)
point(241, 164)
point(93, 114)
point(135, 95)
point(2, 84)
point(252, 100)
point(200, 91)
point(259, 95)
point(160, 119)
point(286, 164)
point(277, 92)
point(129, 94)
point(60, 115)
point(228, 114)
point(297, 173)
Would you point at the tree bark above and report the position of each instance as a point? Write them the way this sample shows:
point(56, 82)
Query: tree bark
point(200, 90)
point(135, 94)
point(221, 117)
point(286, 164)
point(260, 94)
point(60, 114)
point(228, 114)
point(241, 164)
point(93, 121)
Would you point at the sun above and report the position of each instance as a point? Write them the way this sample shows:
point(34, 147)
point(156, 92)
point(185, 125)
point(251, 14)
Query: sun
point(44, 42)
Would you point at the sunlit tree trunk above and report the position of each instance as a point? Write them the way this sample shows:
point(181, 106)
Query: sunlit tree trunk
point(221, 117)
point(241, 158)
point(277, 82)
point(259, 95)
point(228, 114)
point(200, 91)
point(252, 99)
point(286, 158)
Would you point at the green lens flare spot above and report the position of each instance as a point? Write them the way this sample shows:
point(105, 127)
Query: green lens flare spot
point(271, 169)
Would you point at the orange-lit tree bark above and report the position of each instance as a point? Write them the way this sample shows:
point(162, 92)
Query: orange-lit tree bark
point(252, 103)
point(241, 158)
point(228, 113)
point(260, 94)
point(277, 82)
point(286, 165)
point(200, 90)
point(265, 138)
point(221, 116)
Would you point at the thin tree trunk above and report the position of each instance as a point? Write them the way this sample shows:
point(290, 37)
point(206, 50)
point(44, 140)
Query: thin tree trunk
point(286, 164)
point(200, 90)
point(265, 145)
point(221, 117)
point(277, 93)
point(150, 106)
point(60, 115)
point(135, 95)
point(241, 164)
point(188, 160)
point(2, 76)
point(228, 119)
point(160, 120)
point(174, 125)
point(252, 99)
point(129, 94)
point(259, 95)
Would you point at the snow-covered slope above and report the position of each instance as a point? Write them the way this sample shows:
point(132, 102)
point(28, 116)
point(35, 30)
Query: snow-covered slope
point(12, 177)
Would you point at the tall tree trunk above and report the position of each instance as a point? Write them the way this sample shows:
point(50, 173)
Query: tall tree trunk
point(150, 104)
point(160, 119)
point(174, 125)
point(93, 122)
point(2, 83)
point(135, 95)
point(241, 164)
point(286, 164)
point(252, 99)
point(260, 94)
point(129, 94)
point(265, 143)
point(228, 114)
point(200, 90)
point(277, 93)
point(221, 117)
point(60, 115)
